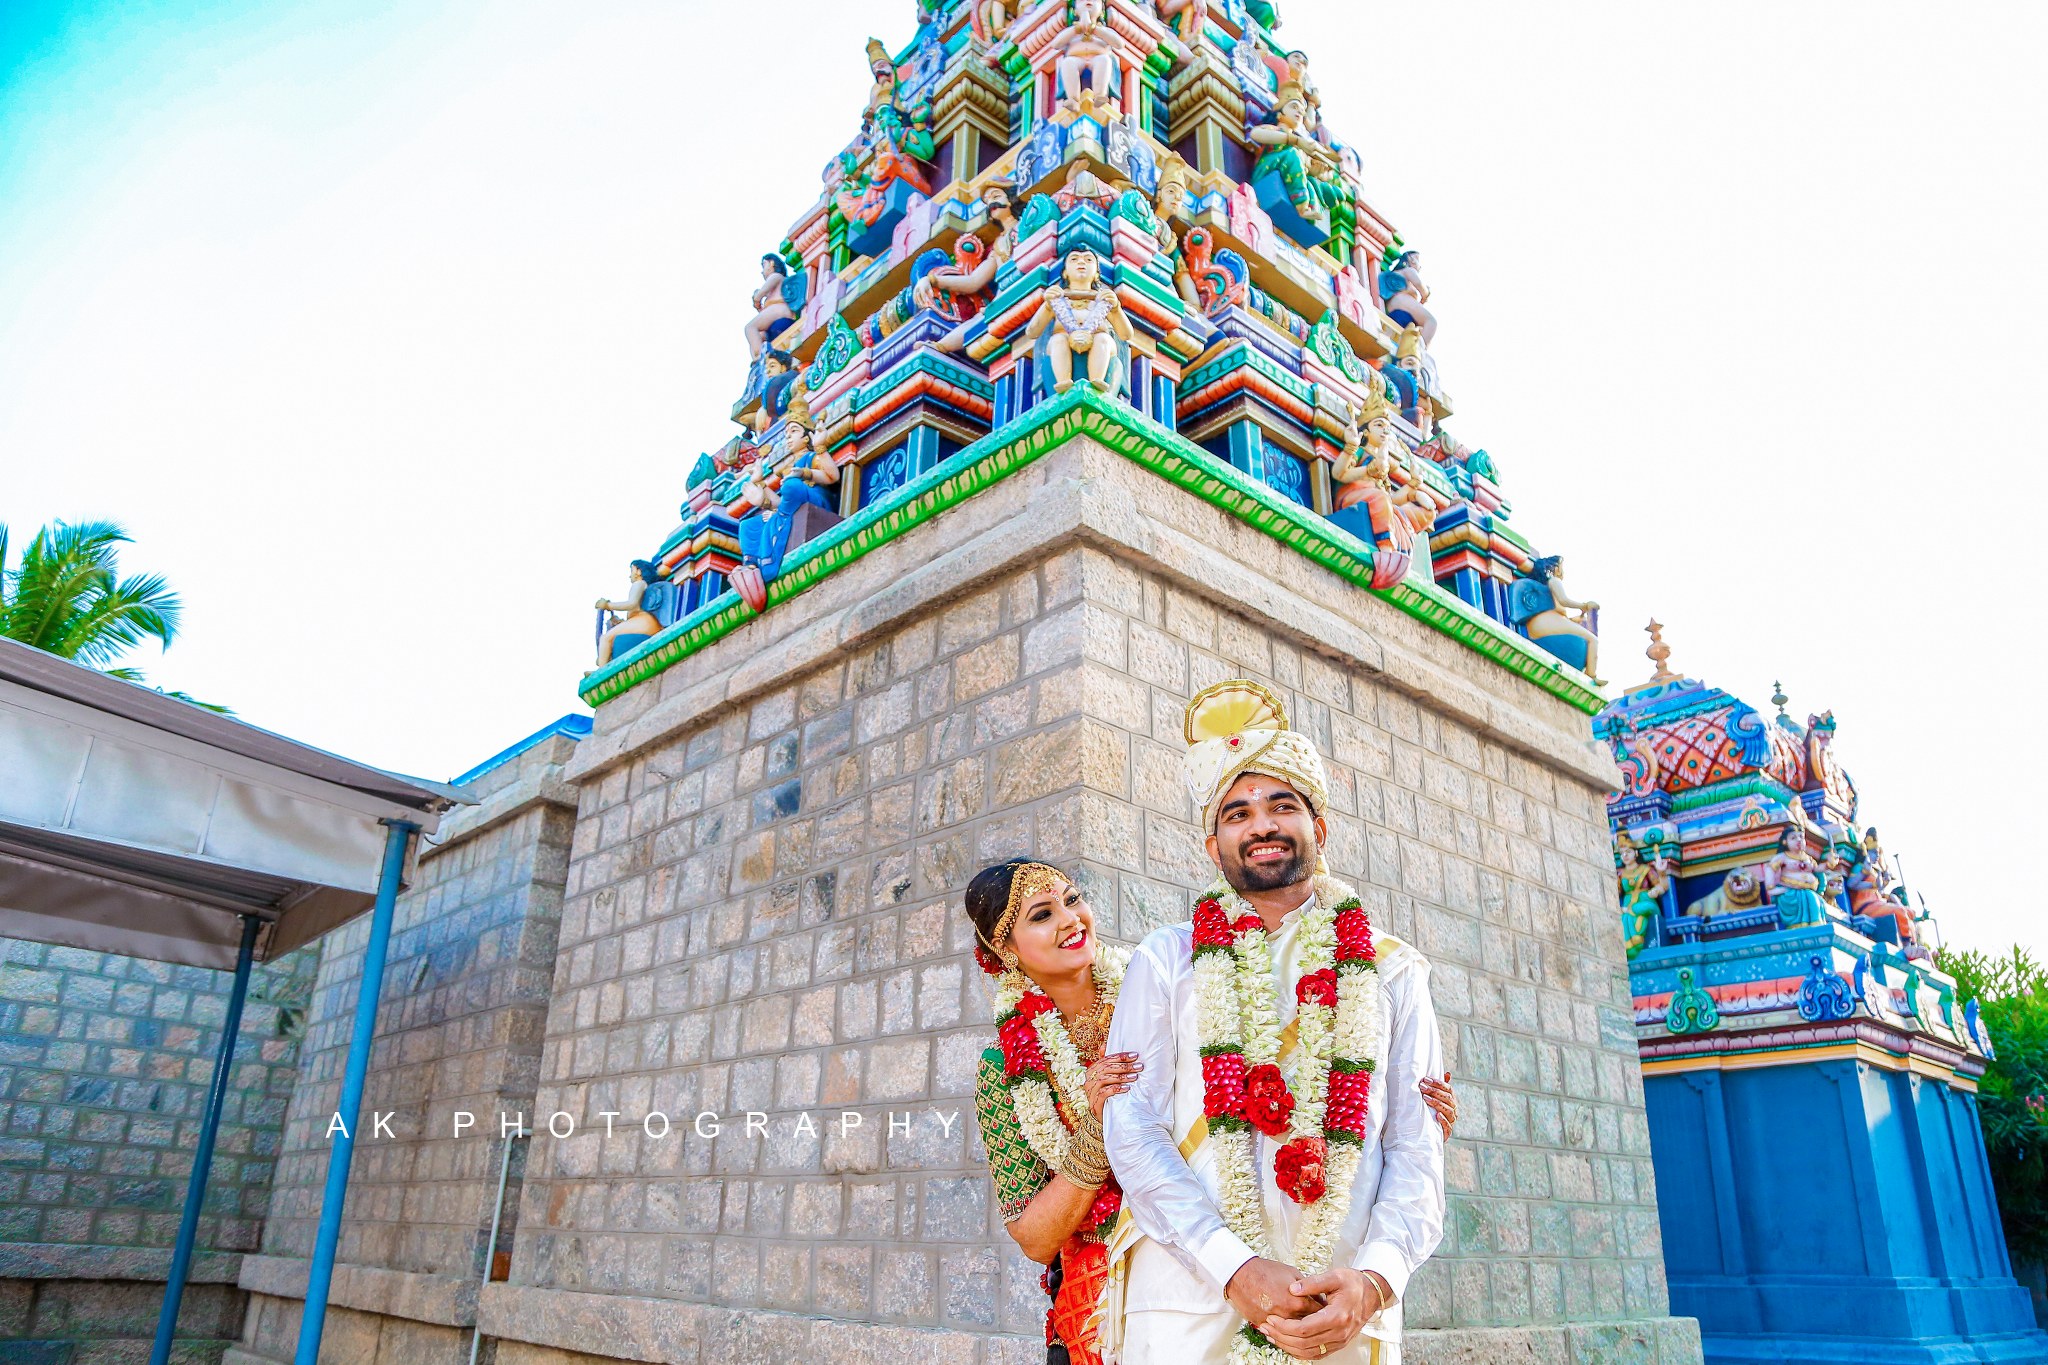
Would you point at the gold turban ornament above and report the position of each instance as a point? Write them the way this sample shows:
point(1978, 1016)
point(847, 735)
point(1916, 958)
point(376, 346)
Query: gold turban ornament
point(1239, 727)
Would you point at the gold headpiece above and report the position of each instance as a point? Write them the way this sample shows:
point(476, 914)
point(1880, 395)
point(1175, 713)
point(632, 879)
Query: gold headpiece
point(1239, 727)
point(879, 55)
point(1290, 89)
point(1027, 883)
point(1374, 405)
point(1176, 171)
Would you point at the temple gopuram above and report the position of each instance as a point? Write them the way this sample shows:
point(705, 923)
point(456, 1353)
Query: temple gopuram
point(1810, 1074)
point(1129, 209)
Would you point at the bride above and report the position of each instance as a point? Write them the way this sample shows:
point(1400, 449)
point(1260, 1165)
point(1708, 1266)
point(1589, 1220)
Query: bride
point(1041, 1088)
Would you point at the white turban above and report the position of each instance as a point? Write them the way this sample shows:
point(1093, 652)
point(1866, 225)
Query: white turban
point(1239, 727)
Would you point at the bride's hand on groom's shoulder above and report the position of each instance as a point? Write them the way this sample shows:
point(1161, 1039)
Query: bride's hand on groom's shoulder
point(1112, 1075)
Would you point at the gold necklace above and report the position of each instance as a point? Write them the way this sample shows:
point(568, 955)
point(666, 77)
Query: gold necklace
point(1091, 1030)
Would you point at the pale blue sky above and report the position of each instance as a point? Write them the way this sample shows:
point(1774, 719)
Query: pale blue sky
point(391, 330)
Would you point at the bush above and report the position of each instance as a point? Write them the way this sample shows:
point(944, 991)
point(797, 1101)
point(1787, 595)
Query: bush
point(2011, 992)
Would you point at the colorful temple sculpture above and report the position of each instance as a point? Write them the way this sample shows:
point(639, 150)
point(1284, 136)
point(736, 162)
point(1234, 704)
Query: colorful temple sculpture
point(1105, 202)
point(1809, 1073)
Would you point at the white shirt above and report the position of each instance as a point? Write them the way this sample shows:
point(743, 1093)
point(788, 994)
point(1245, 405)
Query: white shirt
point(1397, 1204)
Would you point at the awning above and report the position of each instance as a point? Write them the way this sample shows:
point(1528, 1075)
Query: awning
point(131, 822)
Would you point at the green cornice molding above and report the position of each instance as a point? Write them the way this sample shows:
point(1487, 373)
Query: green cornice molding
point(1083, 412)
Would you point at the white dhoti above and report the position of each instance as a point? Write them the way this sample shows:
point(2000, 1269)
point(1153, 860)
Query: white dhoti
point(1163, 1337)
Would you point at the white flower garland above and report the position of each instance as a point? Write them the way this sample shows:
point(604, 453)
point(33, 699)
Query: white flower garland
point(1038, 1105)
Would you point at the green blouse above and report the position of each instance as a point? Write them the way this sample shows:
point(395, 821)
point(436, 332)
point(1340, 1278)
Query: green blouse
point(1016, 1170)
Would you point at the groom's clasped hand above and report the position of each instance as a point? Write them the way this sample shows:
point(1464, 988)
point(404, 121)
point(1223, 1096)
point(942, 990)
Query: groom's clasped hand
point(1307, 1316)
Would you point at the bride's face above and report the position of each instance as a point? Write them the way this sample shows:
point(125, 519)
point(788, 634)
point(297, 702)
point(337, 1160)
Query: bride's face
point(1055, 933)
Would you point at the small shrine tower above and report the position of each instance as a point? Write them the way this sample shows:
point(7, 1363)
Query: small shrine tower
point(1810, 1075)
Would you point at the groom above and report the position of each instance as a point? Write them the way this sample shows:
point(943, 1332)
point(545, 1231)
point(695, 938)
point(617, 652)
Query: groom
point(1283, 1175)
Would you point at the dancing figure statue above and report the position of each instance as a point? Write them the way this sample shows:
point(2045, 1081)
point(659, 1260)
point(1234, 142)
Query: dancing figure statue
point(1540, 605)
point(1086, 320)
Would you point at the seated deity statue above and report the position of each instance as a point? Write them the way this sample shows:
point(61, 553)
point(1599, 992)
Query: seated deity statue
point(629, 615)
point(1087, 61)
point(1794, 877)
point(1086, 319)
point(1541, 606)
point(1405, 295)
point(1307, 170)
point(1390, 517)
point(777, 495)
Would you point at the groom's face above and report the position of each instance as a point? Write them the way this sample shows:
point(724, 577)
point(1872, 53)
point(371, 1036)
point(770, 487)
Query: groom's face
point(1267, 835)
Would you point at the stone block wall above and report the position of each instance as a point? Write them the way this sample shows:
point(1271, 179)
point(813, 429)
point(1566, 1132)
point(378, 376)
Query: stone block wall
point(104, 1067)
point(459, 1028)
point(762, 916)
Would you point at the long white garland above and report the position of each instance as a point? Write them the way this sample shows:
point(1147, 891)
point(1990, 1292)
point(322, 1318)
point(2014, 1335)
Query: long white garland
point(1235, 1009)
point(1038, 1105)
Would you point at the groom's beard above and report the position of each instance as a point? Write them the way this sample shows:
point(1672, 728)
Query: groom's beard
point(1244, 876)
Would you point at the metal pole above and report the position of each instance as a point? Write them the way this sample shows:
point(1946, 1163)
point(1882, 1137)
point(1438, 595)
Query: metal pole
point(476, 1334)
point(202, 1159)
point(320, 1277)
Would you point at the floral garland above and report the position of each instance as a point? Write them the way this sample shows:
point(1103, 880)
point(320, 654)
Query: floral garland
point(1048, 1083)
point(1319, 1110)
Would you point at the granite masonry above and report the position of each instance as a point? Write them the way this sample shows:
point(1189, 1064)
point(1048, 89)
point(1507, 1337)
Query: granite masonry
point(104, 1065)
point(762, 919)
point(459, 1031)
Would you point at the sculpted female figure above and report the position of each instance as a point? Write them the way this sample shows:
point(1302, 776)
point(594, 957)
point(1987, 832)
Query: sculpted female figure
point(1794, 877)
point(1642, 893)
point(1039, 1091)
point(1367, 501)
point(626, 616)
point(1087, 319)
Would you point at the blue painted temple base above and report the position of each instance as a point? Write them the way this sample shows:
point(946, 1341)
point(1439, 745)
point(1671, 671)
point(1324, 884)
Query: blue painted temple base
point(1833, 1211)
point(1809, 1072)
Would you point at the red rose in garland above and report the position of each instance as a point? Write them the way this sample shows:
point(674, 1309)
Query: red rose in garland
point(1318, 988)
point(1345, 1111)
point(1021, 1054)
point(1034, 1004)
point(1267, 1101)
point(1354, 934)
point(1246, 922)
point(1299, 1171)
point(1108, 1201)
point(1223, 1086)
point(1212, 928)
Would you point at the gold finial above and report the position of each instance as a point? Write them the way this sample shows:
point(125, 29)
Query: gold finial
point(1659, 652)
point(1778, 697)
